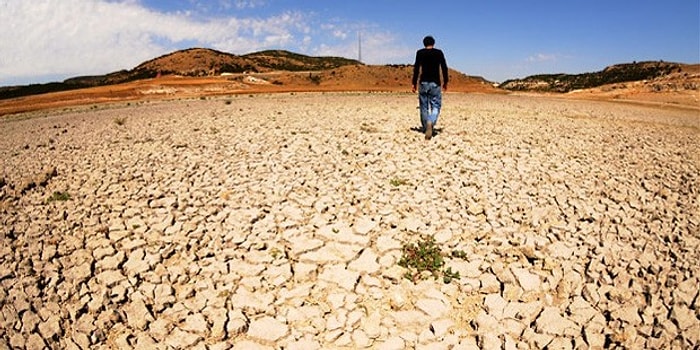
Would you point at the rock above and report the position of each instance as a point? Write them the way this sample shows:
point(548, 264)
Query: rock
point(136, 264)
point(339, 275)
point(371, 325)
point(51, 327)
point(489, 284)
point(528, 281)
point(137, 314)
point(627, 314)
point(392, 343)
point(412, 224)
point(364, 225)
point(486, 324)
point(550, 321)
point(360, 339)
point(366, 263)
point(267, 329)
point(441, 327)
point(304, 344)
point(683, 317)
point(237, 323)
point(35, 342)
point(180, 339)
point(110, 277)
point(432, 307)
point(195, 323)
point(495, 305)
point(250, 345)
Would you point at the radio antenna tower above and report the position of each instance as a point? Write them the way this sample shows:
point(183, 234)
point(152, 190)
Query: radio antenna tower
point(359, 46)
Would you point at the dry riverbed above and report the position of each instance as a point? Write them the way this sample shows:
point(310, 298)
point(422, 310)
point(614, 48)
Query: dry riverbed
point(278, 221)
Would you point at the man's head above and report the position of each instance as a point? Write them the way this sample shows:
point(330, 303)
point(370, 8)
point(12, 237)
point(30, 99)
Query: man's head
point(428, 41)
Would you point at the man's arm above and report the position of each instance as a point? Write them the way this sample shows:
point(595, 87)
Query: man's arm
point(416, 71)
point(445, 75)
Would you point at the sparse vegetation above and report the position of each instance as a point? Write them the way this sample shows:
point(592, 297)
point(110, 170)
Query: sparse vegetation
point(396, 182)
point(58, 196)
point(315, 78)
point(614, 74)
point(120, 121)
point(424, 259)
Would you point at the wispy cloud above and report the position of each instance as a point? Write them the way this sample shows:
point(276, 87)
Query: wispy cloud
point(543, 57)
point(42, 38)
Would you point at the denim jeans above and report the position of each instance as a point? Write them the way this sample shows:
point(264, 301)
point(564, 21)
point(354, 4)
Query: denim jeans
point(430, 101)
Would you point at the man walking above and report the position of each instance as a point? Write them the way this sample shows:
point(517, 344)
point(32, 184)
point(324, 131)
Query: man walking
point(429, 62)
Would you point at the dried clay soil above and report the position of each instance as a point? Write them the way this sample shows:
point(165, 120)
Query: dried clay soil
point(278, 220)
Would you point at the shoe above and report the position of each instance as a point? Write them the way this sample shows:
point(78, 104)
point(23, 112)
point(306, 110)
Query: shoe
point(429, 131)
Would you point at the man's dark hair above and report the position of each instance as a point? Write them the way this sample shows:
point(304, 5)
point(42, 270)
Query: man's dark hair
point(428, 41)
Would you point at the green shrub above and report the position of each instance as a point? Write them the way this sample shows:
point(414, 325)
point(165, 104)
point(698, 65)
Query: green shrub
point(425, 256)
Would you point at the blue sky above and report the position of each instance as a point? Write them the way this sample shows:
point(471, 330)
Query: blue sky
point(51, 40)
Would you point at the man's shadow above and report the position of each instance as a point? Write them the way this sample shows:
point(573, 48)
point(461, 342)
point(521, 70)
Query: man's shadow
point(436, 131)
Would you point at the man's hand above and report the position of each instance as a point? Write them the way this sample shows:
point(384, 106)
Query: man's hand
point(444, 87)
point(413, 88)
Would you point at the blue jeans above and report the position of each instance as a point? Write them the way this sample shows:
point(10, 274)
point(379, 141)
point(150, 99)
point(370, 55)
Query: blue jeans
point(430, 101)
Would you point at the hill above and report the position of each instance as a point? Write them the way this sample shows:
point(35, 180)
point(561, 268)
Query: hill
point(205, 72)
point(195, 62)
point(619, 73)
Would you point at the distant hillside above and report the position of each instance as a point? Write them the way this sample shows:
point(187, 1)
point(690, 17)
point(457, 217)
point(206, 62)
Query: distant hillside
point(294, 62)
point(195, 62)
point(619, 73)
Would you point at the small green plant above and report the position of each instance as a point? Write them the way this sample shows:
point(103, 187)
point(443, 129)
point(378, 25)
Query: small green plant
point(460, 254)
point(425, 256)
point(396, 182)
point(119, 121)
point(276, 253)
point(58, 196)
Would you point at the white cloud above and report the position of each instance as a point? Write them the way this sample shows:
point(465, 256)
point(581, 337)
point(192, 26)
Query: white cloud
point(542, 57)
point(64, 38)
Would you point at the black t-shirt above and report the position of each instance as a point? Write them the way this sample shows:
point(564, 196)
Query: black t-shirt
point(429, 62)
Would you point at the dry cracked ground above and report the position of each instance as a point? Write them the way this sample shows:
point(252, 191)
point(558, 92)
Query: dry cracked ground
point(278, 221)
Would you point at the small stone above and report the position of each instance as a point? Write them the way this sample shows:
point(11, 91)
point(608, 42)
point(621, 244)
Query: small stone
point(136, 263)
point(180, 339)
point(432, 307)
point(550, 321)
point(487, 324)
point(267, 329)
point(237, 323)
point(35, 342)
point(684, 317)
point(249, 345)
point(392, 343)
point(495, 305)
point(110, 277)
point(528, 281)
point(360, 339)
point(441, 327)
point(364, 225)
point(628, 314)
point(51, 327)
point(341, 276)
point(137, 314)
point(371, 325)
point(366, 263)
point(303, 344)
point(195, 323)
point(489, 284)
point(411, 224)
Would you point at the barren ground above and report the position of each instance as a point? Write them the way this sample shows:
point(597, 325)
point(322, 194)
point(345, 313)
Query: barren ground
point(277, 221)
